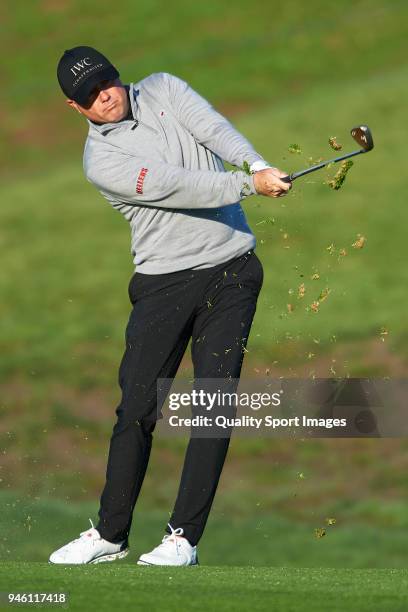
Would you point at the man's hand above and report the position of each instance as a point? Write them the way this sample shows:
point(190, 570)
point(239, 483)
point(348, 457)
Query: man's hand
point(267, 182)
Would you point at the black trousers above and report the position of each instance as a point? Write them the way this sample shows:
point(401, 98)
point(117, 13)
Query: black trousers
point(215, 308)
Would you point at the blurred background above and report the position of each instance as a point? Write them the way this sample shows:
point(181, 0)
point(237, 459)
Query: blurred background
point(284, 73)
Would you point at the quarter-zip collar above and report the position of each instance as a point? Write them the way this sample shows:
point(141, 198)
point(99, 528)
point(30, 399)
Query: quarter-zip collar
point(105, 128)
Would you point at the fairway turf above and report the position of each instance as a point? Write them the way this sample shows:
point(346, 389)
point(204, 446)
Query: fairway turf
point(122, 586)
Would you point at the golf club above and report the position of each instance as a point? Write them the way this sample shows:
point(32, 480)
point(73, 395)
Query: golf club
point(361, 134)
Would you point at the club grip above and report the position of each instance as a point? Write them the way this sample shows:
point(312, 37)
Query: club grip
point(287, 179)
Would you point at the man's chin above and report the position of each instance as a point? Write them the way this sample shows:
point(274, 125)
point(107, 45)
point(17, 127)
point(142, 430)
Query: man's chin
point(114, 116)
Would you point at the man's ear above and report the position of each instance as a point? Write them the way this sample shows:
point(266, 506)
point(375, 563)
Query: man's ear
point(73, 104)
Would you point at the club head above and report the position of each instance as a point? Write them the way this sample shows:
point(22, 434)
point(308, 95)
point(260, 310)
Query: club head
point(362, 135)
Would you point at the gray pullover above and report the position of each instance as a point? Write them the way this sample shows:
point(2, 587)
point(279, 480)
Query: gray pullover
point(163, 170)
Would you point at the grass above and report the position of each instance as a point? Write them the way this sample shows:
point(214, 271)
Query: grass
point(120, 586)
point(245, 563)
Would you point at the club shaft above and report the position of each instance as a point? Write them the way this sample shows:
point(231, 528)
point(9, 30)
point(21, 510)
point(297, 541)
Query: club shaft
point(295, 175)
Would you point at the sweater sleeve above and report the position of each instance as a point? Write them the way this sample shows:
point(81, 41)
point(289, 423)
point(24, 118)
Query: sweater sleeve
point(147, 182)
point(208, 126)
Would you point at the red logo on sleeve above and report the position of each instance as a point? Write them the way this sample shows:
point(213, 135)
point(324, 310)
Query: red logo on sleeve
point(140, 180)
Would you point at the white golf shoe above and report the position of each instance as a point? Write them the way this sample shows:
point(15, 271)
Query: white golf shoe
point(174, 550)
point(90, 547)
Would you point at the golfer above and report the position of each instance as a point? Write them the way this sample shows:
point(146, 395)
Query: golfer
point(155, 151)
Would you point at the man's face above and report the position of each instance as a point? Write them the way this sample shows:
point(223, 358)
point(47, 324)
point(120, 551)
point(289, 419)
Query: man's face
point(107, 103)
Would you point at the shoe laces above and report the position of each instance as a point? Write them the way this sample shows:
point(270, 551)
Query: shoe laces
point(89, 533)
point(172, 537)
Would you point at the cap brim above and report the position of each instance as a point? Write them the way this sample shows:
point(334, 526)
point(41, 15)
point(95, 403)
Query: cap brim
point(106, 74)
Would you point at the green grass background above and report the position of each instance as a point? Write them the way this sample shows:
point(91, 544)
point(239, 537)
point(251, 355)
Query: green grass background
point(283, 73)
